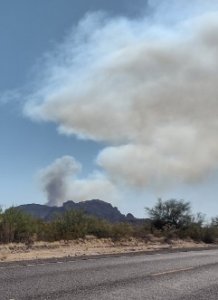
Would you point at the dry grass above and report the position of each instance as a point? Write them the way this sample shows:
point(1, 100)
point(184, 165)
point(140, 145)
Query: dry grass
point(88, 246)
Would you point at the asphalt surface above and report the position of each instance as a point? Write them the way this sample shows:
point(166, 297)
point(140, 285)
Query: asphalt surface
point(180, 276)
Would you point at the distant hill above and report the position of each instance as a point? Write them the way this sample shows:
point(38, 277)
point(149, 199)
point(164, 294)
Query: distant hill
point(96, 208)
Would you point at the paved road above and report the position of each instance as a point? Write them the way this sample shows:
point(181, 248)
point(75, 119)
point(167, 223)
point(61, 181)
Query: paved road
point(180, 276)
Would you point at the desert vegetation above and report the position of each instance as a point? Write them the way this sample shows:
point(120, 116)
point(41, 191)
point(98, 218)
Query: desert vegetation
point(171, 219)
point(174, 219)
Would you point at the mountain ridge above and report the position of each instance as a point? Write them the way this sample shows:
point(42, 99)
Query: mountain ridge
point(94, 207)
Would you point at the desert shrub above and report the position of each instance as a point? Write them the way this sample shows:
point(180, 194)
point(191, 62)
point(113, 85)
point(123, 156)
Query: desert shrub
point(99, 228)
point(169, 232)
point(193, 231)
point(141, 230)
point(211, 231)
point(16, 226)
point(45, 231)
point(170, 213)
point(209, 235)
point(71, 225)
point(121, 230)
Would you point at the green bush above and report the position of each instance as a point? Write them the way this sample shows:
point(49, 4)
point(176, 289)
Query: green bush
point(170, 213)
point(16, 226)
point(71, 225)
point(99, 228)
point(121, 230)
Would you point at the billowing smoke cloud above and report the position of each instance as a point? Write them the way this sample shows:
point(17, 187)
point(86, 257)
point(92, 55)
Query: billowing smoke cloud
point(60, 183)
point(55, 178)
point(147, 87)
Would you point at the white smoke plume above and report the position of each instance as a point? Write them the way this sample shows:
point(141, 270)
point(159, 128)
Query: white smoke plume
point(60, 182)
point(146, 87)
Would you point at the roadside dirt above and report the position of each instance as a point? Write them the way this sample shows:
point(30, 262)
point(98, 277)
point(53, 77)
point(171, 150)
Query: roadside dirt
point(89, 246)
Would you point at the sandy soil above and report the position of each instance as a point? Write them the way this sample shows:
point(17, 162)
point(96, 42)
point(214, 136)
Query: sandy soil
point(88, 246)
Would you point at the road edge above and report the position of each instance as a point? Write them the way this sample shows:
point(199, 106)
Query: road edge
point(102, 256)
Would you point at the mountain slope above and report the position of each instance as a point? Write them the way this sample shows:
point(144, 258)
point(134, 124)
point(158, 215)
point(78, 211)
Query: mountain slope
point(97, 208)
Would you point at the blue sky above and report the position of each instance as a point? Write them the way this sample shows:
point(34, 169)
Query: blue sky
point(28, 29)
point(92, 146)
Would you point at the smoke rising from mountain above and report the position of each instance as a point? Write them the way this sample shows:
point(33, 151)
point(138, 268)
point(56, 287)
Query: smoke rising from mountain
point(60, 182)
point(55, 178)
point(147, 87)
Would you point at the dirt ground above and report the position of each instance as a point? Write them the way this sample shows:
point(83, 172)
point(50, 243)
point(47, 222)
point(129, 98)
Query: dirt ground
point(88, 246)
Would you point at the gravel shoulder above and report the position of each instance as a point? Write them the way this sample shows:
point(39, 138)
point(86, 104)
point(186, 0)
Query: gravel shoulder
point(92, 247)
